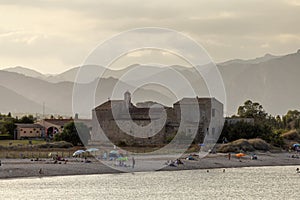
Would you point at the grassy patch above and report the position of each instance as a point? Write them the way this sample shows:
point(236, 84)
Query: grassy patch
point(20, 142)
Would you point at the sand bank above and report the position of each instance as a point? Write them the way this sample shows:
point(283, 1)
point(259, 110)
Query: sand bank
point(14, 168)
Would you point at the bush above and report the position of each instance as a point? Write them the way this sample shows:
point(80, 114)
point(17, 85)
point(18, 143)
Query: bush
point(122, 143)
point(70, 134)
point(6, 137)
point(249, 131)
point(61, 144)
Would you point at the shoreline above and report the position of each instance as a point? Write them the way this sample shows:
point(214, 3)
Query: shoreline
point(25, 168)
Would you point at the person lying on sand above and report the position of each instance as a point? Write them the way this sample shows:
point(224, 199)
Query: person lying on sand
point(179, 162)
point(171, 163)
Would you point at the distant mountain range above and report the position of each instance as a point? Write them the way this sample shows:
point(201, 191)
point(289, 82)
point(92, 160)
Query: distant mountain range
point(265, 58)
point(271, 80)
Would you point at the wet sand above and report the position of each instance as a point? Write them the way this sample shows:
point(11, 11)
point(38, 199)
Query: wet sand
point(14, 168)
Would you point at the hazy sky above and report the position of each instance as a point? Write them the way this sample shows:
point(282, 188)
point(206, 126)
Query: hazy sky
point(52, 36)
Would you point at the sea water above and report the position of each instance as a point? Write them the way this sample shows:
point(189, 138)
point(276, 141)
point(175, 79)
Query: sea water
point(236, 183)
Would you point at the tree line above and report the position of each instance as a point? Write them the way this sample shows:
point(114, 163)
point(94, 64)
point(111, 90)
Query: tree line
point(265, 126)
point(8, 124)
point(75, 133)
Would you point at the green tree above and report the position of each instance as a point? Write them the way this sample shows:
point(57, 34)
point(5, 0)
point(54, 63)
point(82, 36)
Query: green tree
point(265, 126)
point(245, 130)
point(279, 122)
point(292, 119)
point(252, 110)
point(70, 134)
point(8, 127)
point(26, 120)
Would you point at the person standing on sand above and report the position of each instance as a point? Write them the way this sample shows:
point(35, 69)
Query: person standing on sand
point(133, 162)
point(229, 156)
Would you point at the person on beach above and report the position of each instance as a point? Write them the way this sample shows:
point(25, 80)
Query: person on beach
point(179, 162)
point(297, 170)
point(133, 162)
point(253, 157)
point(229, 156)
point(0, 163)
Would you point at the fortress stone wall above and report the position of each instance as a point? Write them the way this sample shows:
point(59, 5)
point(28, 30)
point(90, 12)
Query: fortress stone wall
point(121, 122)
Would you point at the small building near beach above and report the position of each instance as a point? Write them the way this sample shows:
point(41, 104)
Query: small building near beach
point(54, 126)
point(25, 131)
point(123, 123)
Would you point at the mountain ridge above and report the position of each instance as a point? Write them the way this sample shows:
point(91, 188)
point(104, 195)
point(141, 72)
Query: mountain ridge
point(272, 82)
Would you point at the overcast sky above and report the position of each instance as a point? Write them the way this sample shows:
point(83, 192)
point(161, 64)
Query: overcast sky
point(52, 36)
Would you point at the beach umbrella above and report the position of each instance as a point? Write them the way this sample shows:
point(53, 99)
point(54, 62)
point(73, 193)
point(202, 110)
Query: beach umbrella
point(78, 152)
point(296, 145)
point(113, 154)
point(92, 150)
point(239, 155)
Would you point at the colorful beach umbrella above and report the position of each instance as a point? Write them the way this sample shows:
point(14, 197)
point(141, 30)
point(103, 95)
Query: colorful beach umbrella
point(122, 159)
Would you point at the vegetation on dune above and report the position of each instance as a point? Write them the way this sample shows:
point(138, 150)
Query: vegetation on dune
point(272, 129)
point(292, 135)
point(245, 145)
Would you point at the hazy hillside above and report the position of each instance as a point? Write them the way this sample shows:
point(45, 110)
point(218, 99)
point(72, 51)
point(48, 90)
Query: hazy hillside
point(26, 72)
point(272, 81)
point(265, 58)
point(89, 70)
point(58, 96)
point(15, 103)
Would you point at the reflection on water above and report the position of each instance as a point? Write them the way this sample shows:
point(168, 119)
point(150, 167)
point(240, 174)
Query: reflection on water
point(239, 183)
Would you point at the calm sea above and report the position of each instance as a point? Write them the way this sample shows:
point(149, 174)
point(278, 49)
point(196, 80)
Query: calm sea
point(240, 183)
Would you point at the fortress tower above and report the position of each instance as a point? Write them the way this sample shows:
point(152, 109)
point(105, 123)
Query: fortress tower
point(127, 99)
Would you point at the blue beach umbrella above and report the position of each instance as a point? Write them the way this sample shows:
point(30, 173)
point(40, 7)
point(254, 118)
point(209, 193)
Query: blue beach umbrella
point(296, 145)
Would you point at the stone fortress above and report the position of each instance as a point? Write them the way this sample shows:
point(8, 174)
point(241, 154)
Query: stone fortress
point(152, 124)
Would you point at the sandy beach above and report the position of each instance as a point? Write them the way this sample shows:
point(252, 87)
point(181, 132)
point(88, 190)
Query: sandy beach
point(14, 168)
